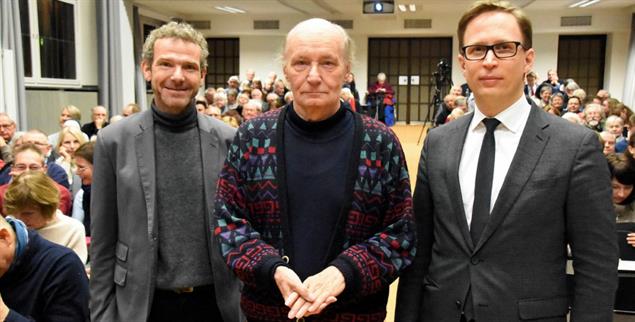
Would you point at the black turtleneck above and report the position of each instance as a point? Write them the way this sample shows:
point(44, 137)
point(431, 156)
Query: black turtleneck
point(176, 123)
point(316, 158)
point(183, 259)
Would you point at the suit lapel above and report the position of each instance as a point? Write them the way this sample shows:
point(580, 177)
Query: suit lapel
point(455, 144)
point(530, 148)
point(144, 150)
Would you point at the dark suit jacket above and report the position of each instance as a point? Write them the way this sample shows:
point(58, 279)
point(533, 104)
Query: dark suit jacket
point(557, 192)
point(124, 226)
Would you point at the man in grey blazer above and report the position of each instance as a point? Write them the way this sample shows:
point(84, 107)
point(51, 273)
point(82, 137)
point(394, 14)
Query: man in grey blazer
point(153, 257)
point(502, 191)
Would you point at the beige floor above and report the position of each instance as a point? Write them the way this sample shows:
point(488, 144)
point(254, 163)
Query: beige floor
point(408, 136)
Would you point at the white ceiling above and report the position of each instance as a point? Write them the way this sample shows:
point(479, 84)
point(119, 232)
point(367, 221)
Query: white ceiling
point(350, 9)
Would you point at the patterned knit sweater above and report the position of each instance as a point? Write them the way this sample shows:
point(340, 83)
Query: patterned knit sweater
point(375, 236)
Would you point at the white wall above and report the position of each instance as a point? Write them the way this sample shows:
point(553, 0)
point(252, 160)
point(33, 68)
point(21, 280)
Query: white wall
point(258, 47)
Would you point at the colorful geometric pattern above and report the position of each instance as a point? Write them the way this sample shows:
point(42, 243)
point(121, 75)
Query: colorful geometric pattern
point(379, 231)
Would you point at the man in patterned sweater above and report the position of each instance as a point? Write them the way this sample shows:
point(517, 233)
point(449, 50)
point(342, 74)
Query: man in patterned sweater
point(313, 209)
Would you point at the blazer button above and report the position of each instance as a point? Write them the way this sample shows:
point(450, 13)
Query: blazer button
point(475, 261)
point(458, 304)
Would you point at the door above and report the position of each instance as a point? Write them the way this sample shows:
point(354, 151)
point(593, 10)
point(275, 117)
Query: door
point(415, 60)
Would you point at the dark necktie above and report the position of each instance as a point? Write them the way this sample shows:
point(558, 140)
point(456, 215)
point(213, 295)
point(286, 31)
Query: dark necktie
point(484, 178)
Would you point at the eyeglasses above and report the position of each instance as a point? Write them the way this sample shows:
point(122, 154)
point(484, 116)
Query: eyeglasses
point(24, 167)
point(81, 169)
point(506, 49)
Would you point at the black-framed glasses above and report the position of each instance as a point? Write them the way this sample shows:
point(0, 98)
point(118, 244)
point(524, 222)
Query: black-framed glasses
point(505, 49)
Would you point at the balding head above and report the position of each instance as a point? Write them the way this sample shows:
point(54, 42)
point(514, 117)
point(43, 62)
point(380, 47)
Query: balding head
point(318, 28)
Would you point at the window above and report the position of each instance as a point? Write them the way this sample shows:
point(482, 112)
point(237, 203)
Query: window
point(222, 61)
point(49, 42)
point(582, 59)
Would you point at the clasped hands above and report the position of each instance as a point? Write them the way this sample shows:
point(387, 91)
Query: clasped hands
point(311, 296)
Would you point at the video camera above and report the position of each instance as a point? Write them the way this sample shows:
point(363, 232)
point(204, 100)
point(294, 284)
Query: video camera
point(443, 77)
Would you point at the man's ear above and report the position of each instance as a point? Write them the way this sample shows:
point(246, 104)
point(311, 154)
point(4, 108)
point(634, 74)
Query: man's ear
point(147, 70)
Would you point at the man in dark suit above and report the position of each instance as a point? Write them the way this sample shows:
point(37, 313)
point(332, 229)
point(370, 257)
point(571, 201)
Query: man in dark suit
point(500, 193)
point(154, 180)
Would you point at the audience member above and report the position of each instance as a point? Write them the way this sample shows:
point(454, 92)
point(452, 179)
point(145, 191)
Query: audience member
point(201, 104)
point(68, 112)
point(8, 136)
point(252, 109)
point(34, 198)
point(81, 202)
point(614, 125)
point(55, 171)
point(288, 98)
point(69, 140)
point(130, 109)
point(232, 95)
point(349, 82)
point(593, 116)
point(573, 118)
point(273, 102)
point(545, 96)
point(531, 85)
point(99, 116)
point(232, 83)
point(39, 280)
point(557, 102)
point(256, 94)
point(214, 111)
point(608, 142)
point(574, 105)
point(445, 110)
point(220, 101)
point(29, 157)
point(622, 180)
point(209, 95)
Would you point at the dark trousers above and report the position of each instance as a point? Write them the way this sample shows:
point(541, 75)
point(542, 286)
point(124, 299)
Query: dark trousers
point(199, 305)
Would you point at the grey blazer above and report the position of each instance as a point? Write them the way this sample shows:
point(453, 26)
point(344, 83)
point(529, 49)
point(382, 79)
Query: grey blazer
point(124, 228)
point(557, 192)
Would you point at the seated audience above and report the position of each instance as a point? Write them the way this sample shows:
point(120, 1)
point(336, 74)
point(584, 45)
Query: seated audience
point(130, 109)
point(99, 116)
point(8, 136)
point(574, 104)
point(455, 114)
point(209, 95)
point(201, 104)
point(29, 158)
point(39, 139)
point(33, 198)
point(614, 125)
point(81, 202)
point(544, 96)
point(593, 117)
point(70, 139)
point(252, 109)
point(68, 112)
point(622, 181)
point(39, 280)
point(608, 142)
point(573, 118)
point(232, 118)
point(213, 111)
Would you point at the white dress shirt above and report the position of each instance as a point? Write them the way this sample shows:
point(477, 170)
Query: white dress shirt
point(507, 136)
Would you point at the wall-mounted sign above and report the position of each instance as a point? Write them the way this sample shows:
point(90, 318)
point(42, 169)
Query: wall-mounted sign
point(414, 80)
point(403, 80)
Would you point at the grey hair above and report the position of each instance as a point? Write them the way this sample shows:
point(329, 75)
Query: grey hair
point(178, 30)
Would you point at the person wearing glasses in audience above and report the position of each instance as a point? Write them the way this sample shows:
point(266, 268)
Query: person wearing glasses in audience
point(33, 198)
point(502, 191)
point(39, 139)
point(28, 157)
point(7, 136)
